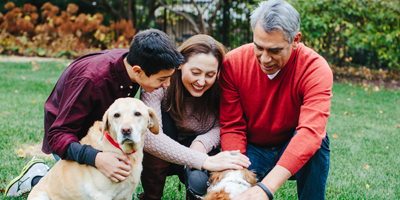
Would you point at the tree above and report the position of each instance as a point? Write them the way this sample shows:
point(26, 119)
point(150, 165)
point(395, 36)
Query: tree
point(196, 17)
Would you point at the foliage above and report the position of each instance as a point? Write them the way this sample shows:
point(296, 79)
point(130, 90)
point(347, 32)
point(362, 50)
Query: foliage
point(60, 35)
point(363, 32)
point(347, 33)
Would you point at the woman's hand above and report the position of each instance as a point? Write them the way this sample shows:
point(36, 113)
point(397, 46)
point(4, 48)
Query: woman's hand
point(226, 160)
point(198, 146)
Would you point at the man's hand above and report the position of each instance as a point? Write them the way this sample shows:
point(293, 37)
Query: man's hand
point(198, 146)
point(254, 193)
point(115, 166)
point(273, 181)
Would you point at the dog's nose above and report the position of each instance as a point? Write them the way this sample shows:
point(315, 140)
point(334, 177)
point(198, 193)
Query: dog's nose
point(126, 130)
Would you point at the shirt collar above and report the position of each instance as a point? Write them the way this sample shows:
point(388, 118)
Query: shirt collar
point(273, 75)
point(124, 80)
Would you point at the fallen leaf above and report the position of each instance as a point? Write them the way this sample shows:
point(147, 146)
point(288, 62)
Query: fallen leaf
point(23, 77)
point(352, 92)
point(48, 81)
point(16, 91)
point(31, 148)
point(10, 73)
point(34, 101)
point(20, 151)
point(2, 190)
point(5, 113)
point(345, 113)
point(381, 111)
point(398, 126)
point(353, 115)
point(335, 135)
point(376, 89)
point(367, 186)
point(366, 167)
point(369, 91)
point(35, 66)
point(359, 135)
point(348, 99)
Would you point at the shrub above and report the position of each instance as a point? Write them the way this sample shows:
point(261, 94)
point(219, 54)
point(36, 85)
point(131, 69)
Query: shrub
point(61, 34)
point(353, 31)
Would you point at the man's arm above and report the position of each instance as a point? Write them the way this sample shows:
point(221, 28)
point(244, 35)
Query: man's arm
point(312, 124)
point(233, 130)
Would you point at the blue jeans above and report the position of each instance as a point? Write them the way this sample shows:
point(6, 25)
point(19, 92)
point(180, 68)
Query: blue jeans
point(311, 178)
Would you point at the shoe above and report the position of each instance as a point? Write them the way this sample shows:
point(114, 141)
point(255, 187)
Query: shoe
point(22, 184)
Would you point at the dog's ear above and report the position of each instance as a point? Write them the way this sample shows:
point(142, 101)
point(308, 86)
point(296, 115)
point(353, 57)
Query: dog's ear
point(153, 121)
point(104, 126)
point(250, 177)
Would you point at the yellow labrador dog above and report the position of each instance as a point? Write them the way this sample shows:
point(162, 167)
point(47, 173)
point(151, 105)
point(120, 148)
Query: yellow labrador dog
point(124, 124)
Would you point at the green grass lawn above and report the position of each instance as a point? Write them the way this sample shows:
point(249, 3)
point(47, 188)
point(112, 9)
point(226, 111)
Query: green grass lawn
point(363, 130)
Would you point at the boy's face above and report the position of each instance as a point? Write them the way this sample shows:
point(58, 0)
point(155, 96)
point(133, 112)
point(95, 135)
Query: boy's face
point(154, 81)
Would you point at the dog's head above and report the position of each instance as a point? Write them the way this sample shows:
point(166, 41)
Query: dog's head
point(229, 183)
point(127, 120)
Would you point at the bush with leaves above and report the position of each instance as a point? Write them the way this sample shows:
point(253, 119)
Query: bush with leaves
point(346, 32)
point(59, 35)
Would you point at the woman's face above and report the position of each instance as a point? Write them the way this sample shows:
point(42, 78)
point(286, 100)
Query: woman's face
point(199, 73)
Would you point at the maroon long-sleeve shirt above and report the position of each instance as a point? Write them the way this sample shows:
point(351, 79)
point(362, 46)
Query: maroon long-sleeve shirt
point(81, 96)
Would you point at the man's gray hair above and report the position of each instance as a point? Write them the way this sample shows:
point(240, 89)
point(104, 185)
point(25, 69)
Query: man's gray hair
point(277, 15)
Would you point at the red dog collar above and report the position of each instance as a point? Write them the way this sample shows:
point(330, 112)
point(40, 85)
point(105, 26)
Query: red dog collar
point(114, 143)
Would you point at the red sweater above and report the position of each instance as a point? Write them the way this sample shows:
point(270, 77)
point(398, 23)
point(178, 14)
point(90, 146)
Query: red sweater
point(266, 112)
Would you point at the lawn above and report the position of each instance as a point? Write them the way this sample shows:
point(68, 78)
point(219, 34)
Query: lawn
point(363, 128)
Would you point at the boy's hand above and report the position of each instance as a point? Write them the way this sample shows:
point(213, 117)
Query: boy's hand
point(115, 166)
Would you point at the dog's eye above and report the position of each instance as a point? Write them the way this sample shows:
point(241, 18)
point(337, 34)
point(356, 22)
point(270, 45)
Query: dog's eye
point(138, 114)
point(116, 115)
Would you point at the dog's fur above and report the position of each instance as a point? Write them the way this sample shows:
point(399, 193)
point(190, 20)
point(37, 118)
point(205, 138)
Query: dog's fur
point(229, 183)
point(70, 180)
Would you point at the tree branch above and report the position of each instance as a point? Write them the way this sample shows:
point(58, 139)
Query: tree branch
point(202, 23)
point(185, 15)
point(213, 17)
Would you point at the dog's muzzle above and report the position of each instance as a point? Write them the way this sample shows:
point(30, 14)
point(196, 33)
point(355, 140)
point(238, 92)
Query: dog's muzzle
point(126, 134)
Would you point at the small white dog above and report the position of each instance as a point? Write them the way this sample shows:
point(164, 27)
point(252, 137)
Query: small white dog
point(122, 131)
point(229, 183)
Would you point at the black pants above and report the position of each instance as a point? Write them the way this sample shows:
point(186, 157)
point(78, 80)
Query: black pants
point(155, 170)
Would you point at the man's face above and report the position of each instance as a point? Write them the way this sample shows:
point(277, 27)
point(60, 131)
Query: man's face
point(271, 49)
point(155, 81)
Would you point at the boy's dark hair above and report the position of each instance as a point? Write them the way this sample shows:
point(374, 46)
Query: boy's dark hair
point(153, 51)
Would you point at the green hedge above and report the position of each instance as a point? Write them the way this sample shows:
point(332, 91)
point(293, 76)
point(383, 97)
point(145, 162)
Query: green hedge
point(348, 32)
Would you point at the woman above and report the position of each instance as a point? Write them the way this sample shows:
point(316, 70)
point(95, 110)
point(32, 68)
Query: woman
point(192, 101)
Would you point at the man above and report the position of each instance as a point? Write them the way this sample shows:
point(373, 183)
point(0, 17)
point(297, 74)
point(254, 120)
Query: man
point(276, 99)
point(84, 92)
